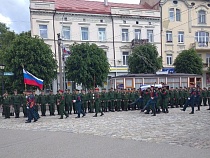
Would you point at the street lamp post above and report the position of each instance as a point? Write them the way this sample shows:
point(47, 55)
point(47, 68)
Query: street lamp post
point(2, 82)
point(60, 61)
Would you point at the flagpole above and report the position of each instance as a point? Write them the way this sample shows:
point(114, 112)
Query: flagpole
point(25, 86)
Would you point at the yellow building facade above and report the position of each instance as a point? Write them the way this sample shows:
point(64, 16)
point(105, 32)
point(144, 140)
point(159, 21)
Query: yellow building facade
point(185, 25)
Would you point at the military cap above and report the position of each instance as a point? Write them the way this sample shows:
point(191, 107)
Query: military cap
point(15, 89)
point(51, 90)
point(76, 89)
point(61, 91)
point(103, 88)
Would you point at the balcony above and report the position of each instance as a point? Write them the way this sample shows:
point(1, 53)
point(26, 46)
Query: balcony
point(205, 46)
point(205, 66)
point(138, 42)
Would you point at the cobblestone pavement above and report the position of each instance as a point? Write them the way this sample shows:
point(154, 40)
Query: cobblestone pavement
point(176, 127)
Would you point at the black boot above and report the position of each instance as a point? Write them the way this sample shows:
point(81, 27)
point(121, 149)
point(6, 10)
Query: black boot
point(95, 115)
point(102, 114)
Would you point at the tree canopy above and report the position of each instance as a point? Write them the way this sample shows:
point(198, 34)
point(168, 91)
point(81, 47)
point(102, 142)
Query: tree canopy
point(35, 55)
point(87, 65)
point(144, 59)
point(188, 61)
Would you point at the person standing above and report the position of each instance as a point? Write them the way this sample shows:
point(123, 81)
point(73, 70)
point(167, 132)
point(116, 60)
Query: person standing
point(24, 102)
point(78, 104)
point(30, 108)
point(6, 105)
point(42, 102)
point(61, 103)
point(51, 102)
point(97, 103)
point(16, 101)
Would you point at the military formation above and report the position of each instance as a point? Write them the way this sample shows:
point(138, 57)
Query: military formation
point(157, 100)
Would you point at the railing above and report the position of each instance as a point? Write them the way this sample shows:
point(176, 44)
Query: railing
point(139, 42)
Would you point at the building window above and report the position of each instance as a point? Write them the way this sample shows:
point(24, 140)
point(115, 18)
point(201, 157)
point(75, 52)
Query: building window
point(125, 58)
point(43, 31)
point(137, 34)
point(150, 36)
point(208, 60)
point(124, 35)
point(169, 59)
point(66, 32)
point(178, 15)
point(201, 17)
point(171, 14)
point(84, 31)
point(169, 37)
point(101, 34)
point(202, 38)
point(180, 37)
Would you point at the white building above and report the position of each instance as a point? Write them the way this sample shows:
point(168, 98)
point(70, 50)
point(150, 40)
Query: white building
point(112, 26)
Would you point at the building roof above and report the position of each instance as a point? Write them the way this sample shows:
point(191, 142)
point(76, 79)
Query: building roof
point(94, 7)
point(155, 75)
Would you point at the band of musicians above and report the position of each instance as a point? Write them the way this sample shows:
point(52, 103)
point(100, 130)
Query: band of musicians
point(152, 100)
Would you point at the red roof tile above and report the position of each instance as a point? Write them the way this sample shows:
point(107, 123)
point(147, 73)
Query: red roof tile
point(94, 7)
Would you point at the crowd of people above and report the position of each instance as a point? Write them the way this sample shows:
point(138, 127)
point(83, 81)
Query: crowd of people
point(154, 99)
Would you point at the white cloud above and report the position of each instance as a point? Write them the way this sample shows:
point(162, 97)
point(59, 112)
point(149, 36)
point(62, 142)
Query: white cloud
point(6, 20)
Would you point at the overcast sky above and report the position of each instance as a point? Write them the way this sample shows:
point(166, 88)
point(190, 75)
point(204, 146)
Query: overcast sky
point(15, 13)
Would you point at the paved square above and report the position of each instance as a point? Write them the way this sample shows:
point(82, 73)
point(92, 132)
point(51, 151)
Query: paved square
point(175, 128)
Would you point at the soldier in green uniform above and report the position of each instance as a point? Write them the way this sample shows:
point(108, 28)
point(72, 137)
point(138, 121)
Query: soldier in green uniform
point(42, 102)
point(125, 100)
point(61, 103)
point(132, 99)
point(208, 96)
point(103, 99)
point(16, 102)
point(204, 96)
point(111, 99)
point(74, 95)
point(171, 95)
point(159, 100)
point(118, 99)
point(176, 97)
point(23, 103)
point(68, 101)
point(165, 99)
point(181, 97)
point(6, 104)
point(51, 99)
point(97, 103)
point(84, 100)
point(57, 106)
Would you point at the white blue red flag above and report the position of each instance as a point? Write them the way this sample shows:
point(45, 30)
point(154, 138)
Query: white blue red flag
point(30, 79)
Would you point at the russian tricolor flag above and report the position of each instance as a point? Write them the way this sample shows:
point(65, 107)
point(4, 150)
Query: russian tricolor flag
point(30, 79)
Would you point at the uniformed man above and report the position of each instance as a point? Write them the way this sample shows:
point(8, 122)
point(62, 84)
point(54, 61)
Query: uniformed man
point(51, 99)
point(97, 103)
point(68, 102)
point(24, 103)
point(16, 102)
point(152, 101)
point(78, 104)
point(61, 103)
point(57, 96)
point(111, 99)
point(165, 99)
point(190, 101)
point(6, 105)
point(42, 102)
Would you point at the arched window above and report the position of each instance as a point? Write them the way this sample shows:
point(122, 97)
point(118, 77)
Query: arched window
point(202, 38)
point(202, 17)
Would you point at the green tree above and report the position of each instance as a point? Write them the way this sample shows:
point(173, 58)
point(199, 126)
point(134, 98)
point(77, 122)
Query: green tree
point(6, 38)
point(188, 61)
point(87, 65)
point(144, 59)
point(35, 55)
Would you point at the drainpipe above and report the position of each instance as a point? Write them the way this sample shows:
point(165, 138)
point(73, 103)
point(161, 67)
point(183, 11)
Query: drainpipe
point(55, 42)
point(113, 41)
